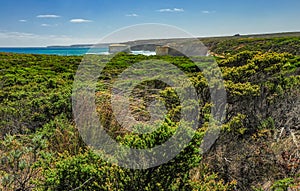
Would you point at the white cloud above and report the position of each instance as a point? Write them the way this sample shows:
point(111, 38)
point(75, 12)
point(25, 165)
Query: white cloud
point(45, 25)
point(19, 39)
point(132, 15)
point(178, 10)
point(6, 34)
point(22, 20)
point(48, 25)
point(48, 16)
point(171, 10)
point(80, 21)
point(208, 12)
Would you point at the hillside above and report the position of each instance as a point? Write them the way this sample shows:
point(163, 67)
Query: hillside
point(276, 42)
point(257, 149)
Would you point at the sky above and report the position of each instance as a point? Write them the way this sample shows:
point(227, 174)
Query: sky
point(66, 22)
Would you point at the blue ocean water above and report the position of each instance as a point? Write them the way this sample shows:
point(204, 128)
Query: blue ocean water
point(69, 51)
point(56, 51)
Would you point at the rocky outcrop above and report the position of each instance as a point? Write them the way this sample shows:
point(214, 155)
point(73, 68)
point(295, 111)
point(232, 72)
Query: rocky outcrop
point(115, 48)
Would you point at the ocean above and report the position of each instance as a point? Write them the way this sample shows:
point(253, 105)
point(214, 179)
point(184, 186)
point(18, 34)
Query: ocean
point(55, 51)
point(62, 51)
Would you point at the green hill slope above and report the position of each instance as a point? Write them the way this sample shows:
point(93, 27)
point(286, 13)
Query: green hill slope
point(41, 148)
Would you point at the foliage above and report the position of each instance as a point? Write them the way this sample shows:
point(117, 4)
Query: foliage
point(233, 45)
point(282, 185)
point(20, 156)
point(34, 89)
point(41, 149)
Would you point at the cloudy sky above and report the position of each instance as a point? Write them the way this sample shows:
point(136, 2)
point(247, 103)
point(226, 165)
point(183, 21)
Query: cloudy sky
point(64, 22)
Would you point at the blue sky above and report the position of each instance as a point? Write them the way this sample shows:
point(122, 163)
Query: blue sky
point(63, 22)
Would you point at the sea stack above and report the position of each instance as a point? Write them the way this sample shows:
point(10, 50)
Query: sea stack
point(115, 48)
point(162, 50)
point(167, 50)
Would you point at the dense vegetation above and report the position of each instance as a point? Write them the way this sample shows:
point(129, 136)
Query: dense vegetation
point(233, 45)
point(41, 149)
